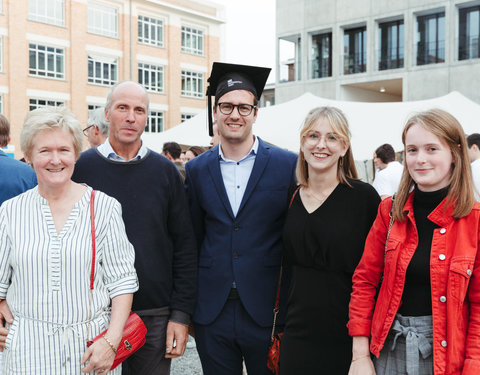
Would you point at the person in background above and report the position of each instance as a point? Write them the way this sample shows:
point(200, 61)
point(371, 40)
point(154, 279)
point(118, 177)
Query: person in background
point(330, 203)
point(172, 151)
point(388, 171)
point(193, 152)
point(238, 195)
point(473, 141)
point(426, 317)
point(158, 224)
point(46, 256)
point(97, 127)
point(15, 176)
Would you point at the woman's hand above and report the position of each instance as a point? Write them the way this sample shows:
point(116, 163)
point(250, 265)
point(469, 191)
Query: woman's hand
point(362, 366)
point(5, 316)
point(100, 357)
point(361, 361)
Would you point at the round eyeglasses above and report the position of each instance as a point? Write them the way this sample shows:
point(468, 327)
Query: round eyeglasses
point(243, 109)
point(85, 131)
point(313, 138)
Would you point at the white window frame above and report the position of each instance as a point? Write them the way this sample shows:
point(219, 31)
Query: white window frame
point(155, 28)
point(196, 80)
point(42, 102)
point(149, 76)
point(101, 80)
point(1, 101)
point(47, 11)
point(191, 38)
point(52, 52)
point(102, 20)
point(159, 116)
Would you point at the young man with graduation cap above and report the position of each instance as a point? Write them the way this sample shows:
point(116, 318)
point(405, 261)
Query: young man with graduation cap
point(238, 196)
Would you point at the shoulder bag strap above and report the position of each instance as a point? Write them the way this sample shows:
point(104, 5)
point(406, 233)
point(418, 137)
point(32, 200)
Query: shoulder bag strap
point(279, 285)
point(92, 273)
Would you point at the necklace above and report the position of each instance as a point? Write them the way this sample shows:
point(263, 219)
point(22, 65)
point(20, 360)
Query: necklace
point(310, 192)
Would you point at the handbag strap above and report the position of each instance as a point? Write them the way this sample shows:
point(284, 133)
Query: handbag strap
point(92, 273)
point(92, 225)
point(279, 285)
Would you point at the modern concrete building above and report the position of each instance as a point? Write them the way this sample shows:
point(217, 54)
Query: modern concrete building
point(377, 50)
point(68, 52)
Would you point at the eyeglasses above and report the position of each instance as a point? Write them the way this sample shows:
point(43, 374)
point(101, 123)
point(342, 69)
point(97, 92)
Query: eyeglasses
point(243, 109)
point(313, 138)
point(85, 131)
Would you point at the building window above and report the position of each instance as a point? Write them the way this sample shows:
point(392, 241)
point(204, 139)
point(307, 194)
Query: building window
point(391, 42)
point(47, 11)
point(102, 72)
point(151, 76)
point(192, 84)
point(469, 33)
point(150, 31)
point(37, 103)
point(45, 61)
point(192, 40)
point(1, 103)
point(289, 50)
point(321, 58)
point(102, 20)
point(155, 122)
point(186, 116)
point(92, 107)
point(355, 50)
point(431, 39)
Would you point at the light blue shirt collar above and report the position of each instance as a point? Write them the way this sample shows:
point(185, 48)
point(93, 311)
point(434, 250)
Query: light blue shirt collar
point(253, 151)
point(107, 151)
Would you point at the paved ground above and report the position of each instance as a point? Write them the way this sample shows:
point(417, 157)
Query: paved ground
point(188, 364)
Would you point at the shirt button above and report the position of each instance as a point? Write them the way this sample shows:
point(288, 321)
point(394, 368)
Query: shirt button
point(469, 272)
point(441, 257)
point(443, 299)
point(443, 343)
point(443, 230)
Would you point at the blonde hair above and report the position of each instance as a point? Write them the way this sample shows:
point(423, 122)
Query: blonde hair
point(460, 191)
point(338, 122)
point(48, 118)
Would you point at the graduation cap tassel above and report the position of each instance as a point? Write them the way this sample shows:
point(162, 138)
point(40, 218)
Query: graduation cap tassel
point(210, 119)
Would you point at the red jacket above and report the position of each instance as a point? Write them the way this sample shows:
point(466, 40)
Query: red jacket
point(455, 282)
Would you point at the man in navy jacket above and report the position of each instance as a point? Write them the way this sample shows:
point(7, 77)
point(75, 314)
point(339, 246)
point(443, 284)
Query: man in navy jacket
point(238, 197)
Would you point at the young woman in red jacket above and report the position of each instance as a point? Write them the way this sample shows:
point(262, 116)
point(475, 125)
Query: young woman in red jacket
point(426, 318)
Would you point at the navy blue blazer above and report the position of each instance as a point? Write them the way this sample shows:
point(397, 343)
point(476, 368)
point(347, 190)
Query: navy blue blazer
point(246, 248)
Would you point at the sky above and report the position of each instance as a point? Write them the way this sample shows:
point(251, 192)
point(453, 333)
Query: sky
point(250, 33)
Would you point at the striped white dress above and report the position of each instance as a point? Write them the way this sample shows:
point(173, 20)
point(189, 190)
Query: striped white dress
point(45, 278)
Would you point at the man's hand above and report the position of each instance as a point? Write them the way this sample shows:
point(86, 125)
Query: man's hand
point(179, 333)
point(5, 316)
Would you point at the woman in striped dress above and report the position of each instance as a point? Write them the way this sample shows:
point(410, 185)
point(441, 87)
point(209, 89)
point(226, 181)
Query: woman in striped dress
point(46, 258)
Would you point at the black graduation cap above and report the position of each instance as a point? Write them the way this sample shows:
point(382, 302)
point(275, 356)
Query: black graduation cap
point(228, 77)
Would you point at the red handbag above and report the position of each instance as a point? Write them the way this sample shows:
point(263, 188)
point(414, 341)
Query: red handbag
point(273, 356)
point(134, 331)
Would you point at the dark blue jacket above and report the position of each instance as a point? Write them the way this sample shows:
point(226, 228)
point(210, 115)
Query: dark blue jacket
point(246, 248)
point(15, 177)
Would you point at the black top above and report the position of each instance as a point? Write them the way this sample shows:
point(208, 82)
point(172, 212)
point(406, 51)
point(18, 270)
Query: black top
point(417, 293)
point(157, 222)
point(323, 249)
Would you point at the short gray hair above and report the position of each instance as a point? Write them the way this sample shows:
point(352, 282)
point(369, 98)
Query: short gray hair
point(97, 117)
point(48, 118)
point(114, 87)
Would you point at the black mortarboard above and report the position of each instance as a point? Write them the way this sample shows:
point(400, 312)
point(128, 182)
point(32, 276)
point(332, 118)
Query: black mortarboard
point(228, 77)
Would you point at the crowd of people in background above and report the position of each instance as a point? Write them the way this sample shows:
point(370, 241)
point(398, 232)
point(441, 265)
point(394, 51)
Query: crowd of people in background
point(378, 278)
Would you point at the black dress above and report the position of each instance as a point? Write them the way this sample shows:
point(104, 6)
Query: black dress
point(322, 250)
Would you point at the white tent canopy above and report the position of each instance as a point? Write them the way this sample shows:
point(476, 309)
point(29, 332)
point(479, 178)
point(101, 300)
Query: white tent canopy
point(371, 124)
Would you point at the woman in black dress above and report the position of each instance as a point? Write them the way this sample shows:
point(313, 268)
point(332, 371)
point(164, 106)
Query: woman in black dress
point(324, 236)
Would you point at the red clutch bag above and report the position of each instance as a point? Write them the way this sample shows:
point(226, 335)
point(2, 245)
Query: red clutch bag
point(133, 339)
point(134, 331)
